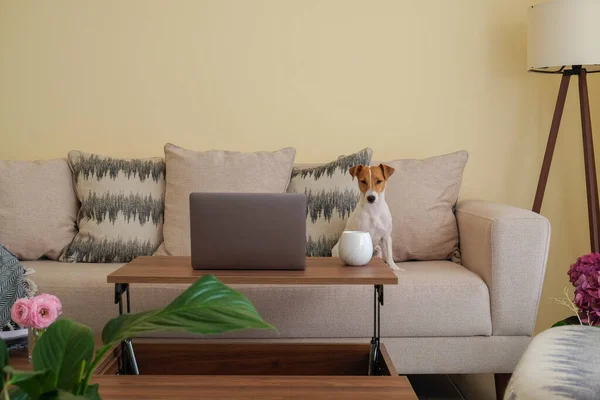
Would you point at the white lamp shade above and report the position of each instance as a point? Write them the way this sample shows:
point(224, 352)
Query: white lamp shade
point(564, 33)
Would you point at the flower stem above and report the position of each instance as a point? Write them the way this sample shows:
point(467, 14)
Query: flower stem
point(5, 391)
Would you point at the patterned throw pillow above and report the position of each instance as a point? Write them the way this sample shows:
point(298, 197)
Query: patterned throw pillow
point(331, 197)
point(122, 206)
point(14, 285)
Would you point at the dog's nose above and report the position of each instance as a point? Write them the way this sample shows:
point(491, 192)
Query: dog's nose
point(371, 199)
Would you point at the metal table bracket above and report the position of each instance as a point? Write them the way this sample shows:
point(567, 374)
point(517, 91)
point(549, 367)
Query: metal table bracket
point(375, 351)
point(127, 362)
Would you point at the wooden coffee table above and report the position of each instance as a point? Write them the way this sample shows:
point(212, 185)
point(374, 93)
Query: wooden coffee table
point(276, 370)
point(184, 369)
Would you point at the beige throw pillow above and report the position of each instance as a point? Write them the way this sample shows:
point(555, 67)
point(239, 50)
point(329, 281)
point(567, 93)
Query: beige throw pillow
point(421, 195)
point(38, 208)
point(215, 171)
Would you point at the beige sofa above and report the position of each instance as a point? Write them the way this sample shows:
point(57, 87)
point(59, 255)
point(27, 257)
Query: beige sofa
point(442, 317)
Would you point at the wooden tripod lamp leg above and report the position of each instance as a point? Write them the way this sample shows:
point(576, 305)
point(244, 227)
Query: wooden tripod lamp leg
point(591, 182)
point(558, 112)
point(501, 381)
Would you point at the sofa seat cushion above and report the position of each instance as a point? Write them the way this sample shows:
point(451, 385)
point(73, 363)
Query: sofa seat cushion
point(433, 298)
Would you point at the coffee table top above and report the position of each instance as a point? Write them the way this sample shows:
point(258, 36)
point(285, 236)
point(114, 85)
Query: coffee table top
point(319, 271)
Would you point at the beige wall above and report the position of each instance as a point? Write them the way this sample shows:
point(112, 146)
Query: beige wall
point(407, 78)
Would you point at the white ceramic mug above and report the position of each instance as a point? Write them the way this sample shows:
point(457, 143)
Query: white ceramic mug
point(356, 248)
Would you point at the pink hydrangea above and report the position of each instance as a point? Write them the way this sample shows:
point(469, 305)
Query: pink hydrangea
point(585, 276)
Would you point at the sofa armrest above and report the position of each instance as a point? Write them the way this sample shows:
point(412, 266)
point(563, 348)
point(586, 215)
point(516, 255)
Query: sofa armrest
point(508, 248)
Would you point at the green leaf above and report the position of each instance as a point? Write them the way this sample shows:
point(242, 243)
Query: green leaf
point(91, 392)
point(60, 395)
point(572, 320)
point(3, 363)
point(15, 393)
point(63, 348)
point(208, 306)
point(34, 383)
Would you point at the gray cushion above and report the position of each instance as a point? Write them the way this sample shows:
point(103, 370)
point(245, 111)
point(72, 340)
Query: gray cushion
point(560, 363)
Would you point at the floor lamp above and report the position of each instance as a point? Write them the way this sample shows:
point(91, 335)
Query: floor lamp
point(564, 38)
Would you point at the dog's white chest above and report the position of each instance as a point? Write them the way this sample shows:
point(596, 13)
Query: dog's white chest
point(373, 218)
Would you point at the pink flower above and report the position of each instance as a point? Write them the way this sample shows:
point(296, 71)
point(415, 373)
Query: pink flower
point(50, 299)
point(20, 312)
point(44, 310)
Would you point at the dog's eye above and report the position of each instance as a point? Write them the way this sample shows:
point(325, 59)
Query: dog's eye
point(379, 181)
point(363, 181)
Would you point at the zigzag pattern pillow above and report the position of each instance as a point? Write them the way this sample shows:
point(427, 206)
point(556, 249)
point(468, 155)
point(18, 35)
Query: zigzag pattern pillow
point(13, 285)
point(122, 207)
point(331, 196)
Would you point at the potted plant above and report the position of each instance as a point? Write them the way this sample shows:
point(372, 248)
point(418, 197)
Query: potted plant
point(64, 358)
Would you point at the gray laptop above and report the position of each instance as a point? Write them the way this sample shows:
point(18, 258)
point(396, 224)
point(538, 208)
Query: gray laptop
point(248, 231)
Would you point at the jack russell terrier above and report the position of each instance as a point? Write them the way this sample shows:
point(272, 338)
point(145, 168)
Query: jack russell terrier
point(372, 213)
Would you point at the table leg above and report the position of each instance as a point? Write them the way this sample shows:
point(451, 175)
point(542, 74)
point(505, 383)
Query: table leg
point(375, 351)
point(127, 361)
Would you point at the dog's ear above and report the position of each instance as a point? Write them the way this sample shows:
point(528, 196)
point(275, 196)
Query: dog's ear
point(387, 170)
point(355, 170)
